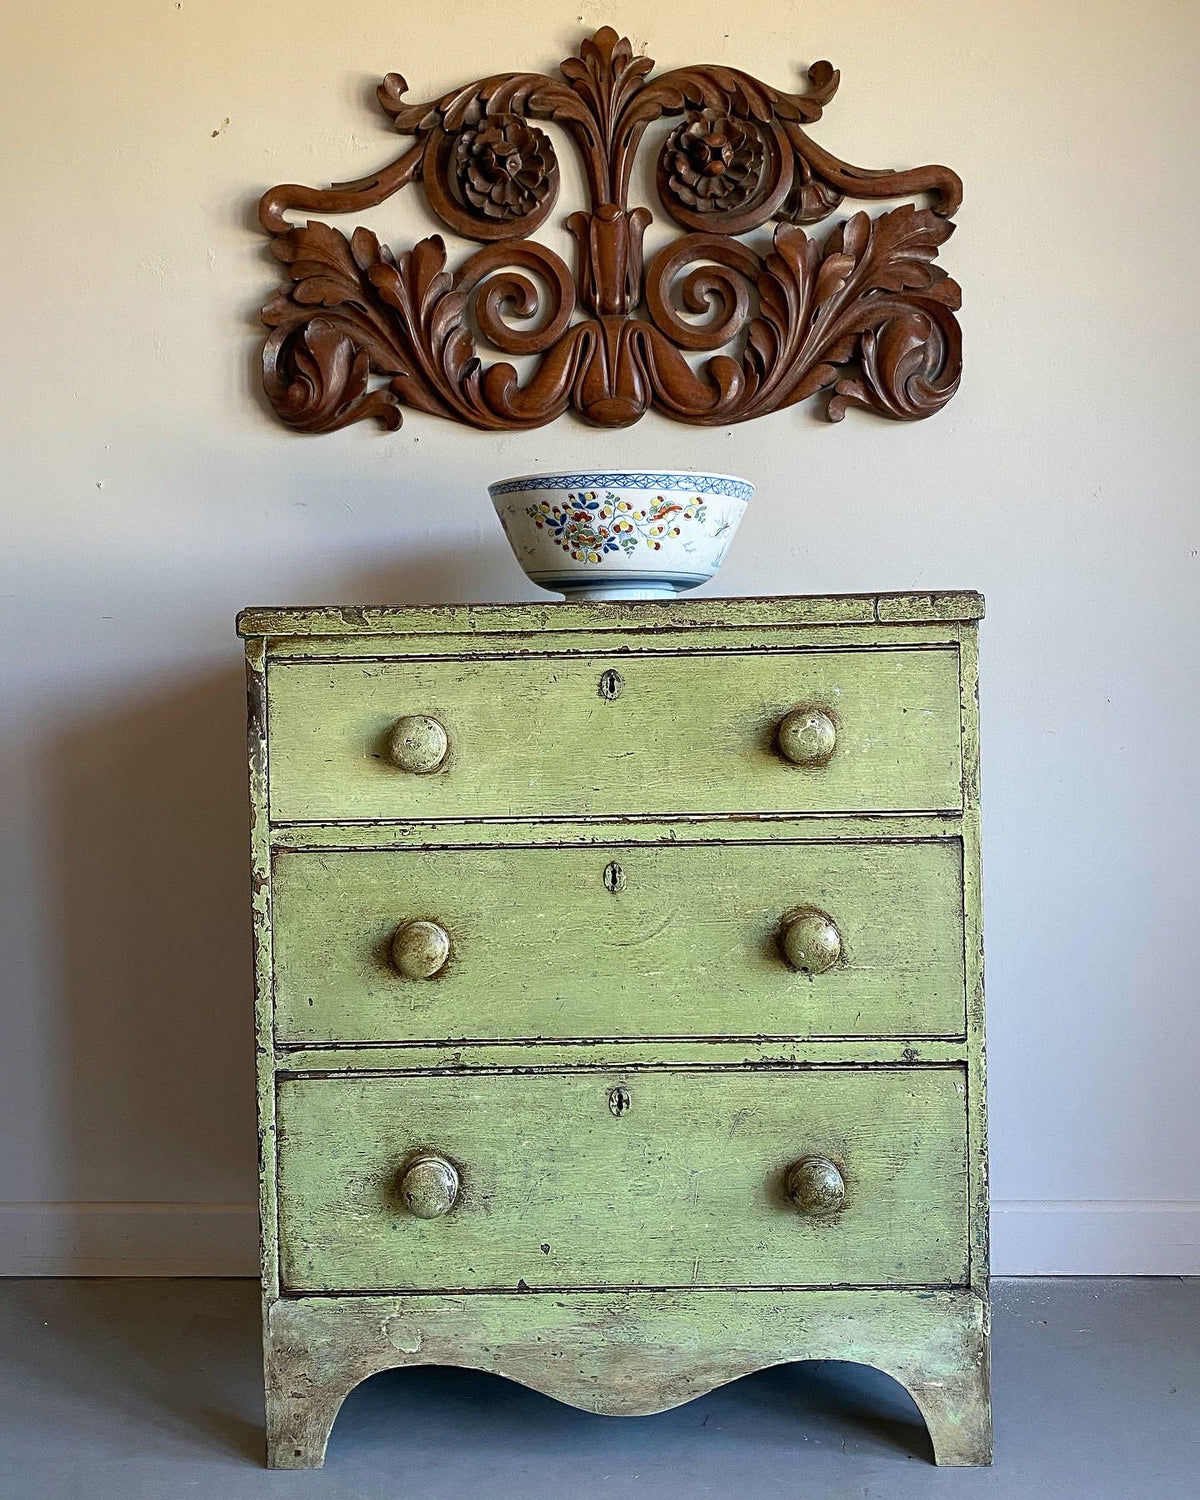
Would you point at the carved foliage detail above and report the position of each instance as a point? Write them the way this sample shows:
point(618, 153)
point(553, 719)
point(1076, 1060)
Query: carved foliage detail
point(864, 317)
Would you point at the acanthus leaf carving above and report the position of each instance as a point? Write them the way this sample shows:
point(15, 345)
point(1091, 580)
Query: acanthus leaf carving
point(865, 315)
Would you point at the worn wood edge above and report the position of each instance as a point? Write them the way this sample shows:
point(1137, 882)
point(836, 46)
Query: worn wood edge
point(724, 829)
point(972, 888)
point(964, 604)
point(631, 831)
point(630, 1353)
point(261, 917)
point(617, 1054)
point(264, 997)
point(673, 614)
point(552, 645)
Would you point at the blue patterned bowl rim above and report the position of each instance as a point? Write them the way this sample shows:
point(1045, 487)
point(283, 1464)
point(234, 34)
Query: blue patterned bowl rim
point(627, 479)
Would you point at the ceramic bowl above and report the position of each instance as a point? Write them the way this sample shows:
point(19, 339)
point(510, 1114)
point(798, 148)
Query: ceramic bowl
point(620, 534)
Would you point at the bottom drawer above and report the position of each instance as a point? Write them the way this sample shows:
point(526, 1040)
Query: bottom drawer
point(658, 1177)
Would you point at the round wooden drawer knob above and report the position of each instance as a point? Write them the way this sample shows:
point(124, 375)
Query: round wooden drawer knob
point(429, 1187)
point(420, 949)
point(811, 942)
point(806, 737)
point(815, 1186)
point(418, 744)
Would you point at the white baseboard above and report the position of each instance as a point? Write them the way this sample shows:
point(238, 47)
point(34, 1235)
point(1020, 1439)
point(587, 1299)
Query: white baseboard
point(1037, 1238)
point(1077, 1237)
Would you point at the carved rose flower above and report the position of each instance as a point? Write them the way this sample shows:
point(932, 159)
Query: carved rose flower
point(714, 161)
point(505, 166)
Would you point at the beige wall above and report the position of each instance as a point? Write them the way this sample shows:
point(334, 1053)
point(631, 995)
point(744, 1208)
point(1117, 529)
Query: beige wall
point(147, 496)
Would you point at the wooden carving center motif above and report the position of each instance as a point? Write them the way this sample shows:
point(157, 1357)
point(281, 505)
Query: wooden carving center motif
point(863, 317)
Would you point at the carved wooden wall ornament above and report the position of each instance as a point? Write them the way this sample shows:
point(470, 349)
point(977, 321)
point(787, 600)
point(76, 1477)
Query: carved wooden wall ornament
point(864, 317)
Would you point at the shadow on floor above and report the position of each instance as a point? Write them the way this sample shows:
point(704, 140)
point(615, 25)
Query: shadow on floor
point(838, 1402)
point(173, 1365)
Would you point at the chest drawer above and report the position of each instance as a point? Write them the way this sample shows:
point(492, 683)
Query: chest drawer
point(628, 734)
point(548, 1184)
point(672, 940)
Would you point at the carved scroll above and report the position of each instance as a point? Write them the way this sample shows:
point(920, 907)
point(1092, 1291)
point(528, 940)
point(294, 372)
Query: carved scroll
point(864, 316)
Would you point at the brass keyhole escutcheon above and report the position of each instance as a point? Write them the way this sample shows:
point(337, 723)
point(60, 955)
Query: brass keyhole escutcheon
point(614, 877)
point(612, 684)
point(619, 1101)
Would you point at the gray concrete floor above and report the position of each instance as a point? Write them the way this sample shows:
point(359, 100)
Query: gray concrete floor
point(149, 1390)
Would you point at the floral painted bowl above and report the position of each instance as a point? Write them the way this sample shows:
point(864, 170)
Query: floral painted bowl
point(620, 534)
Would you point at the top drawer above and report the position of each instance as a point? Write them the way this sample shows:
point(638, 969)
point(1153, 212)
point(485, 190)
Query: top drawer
point(618, 735)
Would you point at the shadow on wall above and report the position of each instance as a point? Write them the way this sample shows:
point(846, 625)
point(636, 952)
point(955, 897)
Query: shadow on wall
point(151, 899)
point(154, 965)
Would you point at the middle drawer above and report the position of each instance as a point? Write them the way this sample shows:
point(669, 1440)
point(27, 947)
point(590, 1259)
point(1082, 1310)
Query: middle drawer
point(812, 939)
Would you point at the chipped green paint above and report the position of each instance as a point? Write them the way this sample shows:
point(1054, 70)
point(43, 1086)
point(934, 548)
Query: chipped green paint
point(616, 1146)
point(694, 944)
point(686, 1187)
point(532, 737)
point(630, 1353)
point(481, 620)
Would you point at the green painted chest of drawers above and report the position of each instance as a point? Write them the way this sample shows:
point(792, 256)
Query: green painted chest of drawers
point(620, 999)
